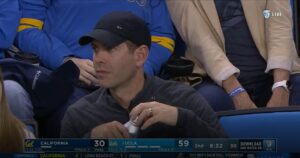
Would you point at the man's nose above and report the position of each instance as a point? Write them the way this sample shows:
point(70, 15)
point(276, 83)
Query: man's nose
point(100, 56)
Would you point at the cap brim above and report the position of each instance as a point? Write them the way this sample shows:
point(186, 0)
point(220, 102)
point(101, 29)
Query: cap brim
point(107, 38)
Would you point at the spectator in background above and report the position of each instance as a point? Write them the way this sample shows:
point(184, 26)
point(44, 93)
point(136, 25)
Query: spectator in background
point(51, 29)
point(121, 43)
point(9, 22)
point(12, 130)
point(246, 53)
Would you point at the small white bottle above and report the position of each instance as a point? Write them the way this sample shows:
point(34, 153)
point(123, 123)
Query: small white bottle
point(133, 129)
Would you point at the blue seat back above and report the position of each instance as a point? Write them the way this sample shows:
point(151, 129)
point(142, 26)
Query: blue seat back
point(280, 123)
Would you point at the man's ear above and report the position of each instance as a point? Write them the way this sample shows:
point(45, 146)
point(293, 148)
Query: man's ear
point(141, 55)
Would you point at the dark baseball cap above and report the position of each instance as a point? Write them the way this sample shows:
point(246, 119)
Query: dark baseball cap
point(117, 27)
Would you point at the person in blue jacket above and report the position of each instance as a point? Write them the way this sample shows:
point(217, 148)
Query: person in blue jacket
point(50, 29)
point(9, 22)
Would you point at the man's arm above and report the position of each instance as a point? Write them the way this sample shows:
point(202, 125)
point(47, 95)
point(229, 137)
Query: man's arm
point(201, 39)
point(279, 37)
point(184, 108)
point(198, 119)
point(281, 49)
point(162, 35)
point(198, 35)
point(195, 127)
point(241, 99)
point(32, 39)
point(192, 122)
point(51, 50)
point(280, 96)
point(9, 21)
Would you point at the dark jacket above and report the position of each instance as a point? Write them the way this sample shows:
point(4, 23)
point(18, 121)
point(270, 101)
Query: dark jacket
point(48, 90)
point(196, 119)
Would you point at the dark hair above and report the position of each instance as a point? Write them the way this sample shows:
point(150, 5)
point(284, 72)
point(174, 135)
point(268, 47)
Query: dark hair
point(131, 46)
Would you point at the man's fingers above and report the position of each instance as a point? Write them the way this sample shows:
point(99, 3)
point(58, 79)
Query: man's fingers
point(110, 130)
point(115, 132)
point(90, 78)
point(90, 63)
point(101, 131)
point(85, 80)
point(122, 130)
point(152, 120)
point(108, 135)
point(89, 67)
point(87, 71)
point(152, 112)
point(139, 109)
point(144, 115)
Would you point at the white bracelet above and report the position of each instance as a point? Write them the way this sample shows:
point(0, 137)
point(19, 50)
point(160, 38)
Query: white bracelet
point(282, 83)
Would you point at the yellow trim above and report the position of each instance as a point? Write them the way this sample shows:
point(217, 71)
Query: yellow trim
point(34, 22)
point(23, 27)
point(164, 41)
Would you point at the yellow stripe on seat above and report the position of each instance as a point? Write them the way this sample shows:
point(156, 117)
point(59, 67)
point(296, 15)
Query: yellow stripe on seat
point(164, 41)
point(23, 27)
point(33, 22)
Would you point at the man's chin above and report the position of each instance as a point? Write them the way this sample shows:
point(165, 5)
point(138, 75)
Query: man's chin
point(104, 85)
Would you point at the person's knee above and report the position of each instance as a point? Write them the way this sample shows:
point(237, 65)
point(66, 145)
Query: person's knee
point(18, 100)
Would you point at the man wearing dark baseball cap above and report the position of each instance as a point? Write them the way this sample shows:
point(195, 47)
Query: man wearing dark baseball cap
point(117, 27)
point(155, 107)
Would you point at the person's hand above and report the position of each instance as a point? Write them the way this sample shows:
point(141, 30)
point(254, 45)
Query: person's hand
point(149, 113)
point(243, 101)
point(280, 98)
point(110, 130)
point(87, 71)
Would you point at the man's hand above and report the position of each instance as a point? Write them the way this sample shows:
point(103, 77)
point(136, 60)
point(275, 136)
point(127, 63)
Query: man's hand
point(149, 113)
point(87, 71)
point(110, 130)
point(280, 98)
point(243, 101)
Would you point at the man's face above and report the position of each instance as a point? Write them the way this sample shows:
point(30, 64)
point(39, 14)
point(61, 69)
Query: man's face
point(114, 67)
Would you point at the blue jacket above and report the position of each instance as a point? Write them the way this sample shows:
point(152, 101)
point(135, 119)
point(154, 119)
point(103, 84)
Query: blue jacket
point(9, 21)
point(51, 28)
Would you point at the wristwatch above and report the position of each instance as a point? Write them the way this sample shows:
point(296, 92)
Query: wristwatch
point(284, 83)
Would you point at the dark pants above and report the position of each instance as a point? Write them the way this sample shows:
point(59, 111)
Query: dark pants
point(260, 93)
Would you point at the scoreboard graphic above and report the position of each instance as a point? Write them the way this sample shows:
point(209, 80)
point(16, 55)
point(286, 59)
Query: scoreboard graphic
point(150, 148)
point(150, 145)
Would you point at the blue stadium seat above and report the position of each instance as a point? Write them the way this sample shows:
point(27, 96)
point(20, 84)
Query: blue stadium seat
point(280, 123)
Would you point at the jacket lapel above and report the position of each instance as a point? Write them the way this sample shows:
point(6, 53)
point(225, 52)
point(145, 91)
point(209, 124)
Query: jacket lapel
point(210, 15)
point(253, 10)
